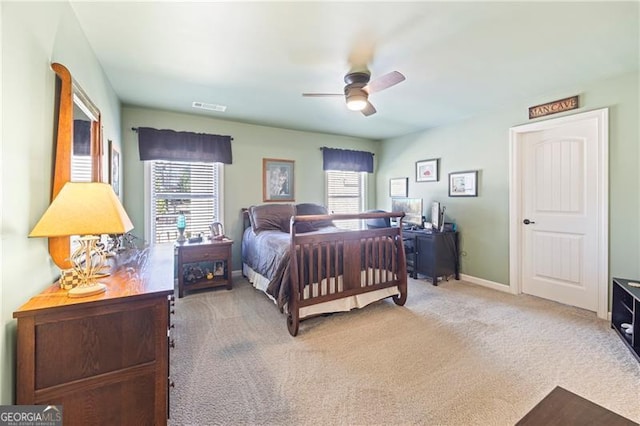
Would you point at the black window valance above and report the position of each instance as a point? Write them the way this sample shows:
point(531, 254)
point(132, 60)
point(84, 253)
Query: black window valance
point(154, 144)
point(347, 160)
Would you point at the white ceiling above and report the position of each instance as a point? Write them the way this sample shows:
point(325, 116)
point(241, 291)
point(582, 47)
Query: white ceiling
point(258, 57)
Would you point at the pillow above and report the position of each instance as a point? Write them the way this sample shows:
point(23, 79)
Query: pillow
point(306, 209)
point(302, 227)
point(274, 217)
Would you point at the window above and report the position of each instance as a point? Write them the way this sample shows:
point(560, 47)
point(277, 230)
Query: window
point(80, 168)
point(80, 172)
point(191, 188)
point(346, 194)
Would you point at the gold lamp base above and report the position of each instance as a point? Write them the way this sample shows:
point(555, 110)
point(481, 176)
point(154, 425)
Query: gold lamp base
point(87, 290)
point(88, 260)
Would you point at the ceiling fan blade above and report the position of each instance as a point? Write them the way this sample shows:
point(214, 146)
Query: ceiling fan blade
point(368, 110)
point(385, 81)
point(321, 95)
point(362, 51)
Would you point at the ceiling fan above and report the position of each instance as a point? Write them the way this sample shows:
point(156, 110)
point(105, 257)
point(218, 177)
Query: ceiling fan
point(359, 87)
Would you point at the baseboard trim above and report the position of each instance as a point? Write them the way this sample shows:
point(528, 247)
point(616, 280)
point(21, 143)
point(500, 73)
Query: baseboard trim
point(501, 287)
point(237, 273)
point(485, 283)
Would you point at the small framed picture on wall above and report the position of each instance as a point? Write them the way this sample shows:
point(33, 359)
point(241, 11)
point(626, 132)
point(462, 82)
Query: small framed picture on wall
point(427, 170)
point(398, 187)
point(114, 167)
point(463, 184)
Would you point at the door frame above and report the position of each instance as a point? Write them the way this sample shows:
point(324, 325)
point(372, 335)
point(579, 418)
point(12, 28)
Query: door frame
point(516, 134)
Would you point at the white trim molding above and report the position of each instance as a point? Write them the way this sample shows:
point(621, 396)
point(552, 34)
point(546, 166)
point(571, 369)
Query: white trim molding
point(486, 283)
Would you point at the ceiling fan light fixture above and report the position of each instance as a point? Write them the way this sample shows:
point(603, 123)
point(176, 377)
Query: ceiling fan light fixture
point(358, 87)
point(356, 100)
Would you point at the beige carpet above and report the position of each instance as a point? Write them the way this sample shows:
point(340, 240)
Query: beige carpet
point(456, 354)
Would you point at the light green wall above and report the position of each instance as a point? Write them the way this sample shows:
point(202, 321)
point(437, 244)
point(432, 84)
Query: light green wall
point(482, 143)
point(33, 36)
point(243, 178)
point(4, 374)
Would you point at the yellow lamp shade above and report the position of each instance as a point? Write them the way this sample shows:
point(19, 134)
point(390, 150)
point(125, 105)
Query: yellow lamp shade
point(83, 208)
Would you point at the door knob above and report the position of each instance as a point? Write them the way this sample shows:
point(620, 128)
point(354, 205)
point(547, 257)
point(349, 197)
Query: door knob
point(527, 221)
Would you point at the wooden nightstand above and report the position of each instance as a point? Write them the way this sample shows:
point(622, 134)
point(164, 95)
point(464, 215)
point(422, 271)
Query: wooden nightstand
point(204, 265)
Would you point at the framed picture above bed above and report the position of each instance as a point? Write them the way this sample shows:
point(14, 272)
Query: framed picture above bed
point(277, 180)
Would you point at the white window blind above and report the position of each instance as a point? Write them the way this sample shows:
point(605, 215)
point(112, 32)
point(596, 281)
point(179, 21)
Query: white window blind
point(81, 168)
point(346, 194)
point(190, 188)
point(80, 172)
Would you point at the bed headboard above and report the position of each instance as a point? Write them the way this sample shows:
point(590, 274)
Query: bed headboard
point(245, 218)
point(285, 210)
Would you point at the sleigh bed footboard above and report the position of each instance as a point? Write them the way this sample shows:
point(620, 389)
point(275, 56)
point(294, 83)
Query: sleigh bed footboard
point(353, 267)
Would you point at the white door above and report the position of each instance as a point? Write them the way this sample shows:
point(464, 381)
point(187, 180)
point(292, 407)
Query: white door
point(562, 206)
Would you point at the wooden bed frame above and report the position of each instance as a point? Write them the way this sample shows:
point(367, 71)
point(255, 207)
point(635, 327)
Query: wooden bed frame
point(379, 252)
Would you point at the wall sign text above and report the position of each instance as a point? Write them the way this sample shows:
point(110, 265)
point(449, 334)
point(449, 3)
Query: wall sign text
point(554, 107)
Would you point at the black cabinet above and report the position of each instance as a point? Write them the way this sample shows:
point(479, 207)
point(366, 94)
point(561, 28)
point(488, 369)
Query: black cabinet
point(433, 254)
point(625, 313)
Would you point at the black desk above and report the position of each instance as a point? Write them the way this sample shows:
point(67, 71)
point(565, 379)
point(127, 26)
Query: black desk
point(434, 254)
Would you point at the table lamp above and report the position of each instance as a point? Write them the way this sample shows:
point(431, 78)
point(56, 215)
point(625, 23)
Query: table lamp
point(181, 224)
point(87, 209)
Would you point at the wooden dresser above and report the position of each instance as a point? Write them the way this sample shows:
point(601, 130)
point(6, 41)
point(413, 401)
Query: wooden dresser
point(104, 358)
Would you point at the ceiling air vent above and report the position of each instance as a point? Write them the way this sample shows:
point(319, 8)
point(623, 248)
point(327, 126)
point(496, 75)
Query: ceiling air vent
point(210, 107)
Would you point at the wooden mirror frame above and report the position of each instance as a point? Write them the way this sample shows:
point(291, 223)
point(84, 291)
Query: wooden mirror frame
point(71, 93)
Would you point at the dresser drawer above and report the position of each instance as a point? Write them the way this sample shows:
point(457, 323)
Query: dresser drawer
point(203, 253)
